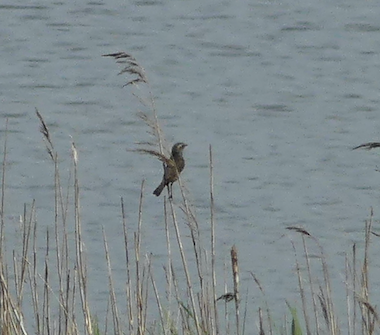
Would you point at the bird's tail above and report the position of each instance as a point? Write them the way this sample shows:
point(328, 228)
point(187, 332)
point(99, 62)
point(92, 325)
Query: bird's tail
point(159, 189)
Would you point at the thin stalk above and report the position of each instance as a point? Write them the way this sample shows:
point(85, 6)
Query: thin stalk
point(139, 280)
point(348, 304)
point(313, 294)
point(46, 297)
point(354, 285)
point(215, 330)
point(129, 301)
point(2, 208)
point(235, 275)
point(158, 300)
point(81, 264)
point(27, 228)
point(115, 313)
point(302, 291)
point(185, 267)
point(170, 263)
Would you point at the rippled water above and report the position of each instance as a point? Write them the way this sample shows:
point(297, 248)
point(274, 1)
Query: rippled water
point(281, 90)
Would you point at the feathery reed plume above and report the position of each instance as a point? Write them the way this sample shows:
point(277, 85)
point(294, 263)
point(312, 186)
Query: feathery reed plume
point(134, 68)
point(46, 134)
point(155, 153)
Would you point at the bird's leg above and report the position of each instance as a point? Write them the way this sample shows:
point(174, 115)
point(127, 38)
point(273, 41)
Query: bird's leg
point(170, 188)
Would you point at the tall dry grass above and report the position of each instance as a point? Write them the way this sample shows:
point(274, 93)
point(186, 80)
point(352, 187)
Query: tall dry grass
point(53, 290)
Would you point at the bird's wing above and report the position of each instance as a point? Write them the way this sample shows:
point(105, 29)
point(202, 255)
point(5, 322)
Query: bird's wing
point(368, 146)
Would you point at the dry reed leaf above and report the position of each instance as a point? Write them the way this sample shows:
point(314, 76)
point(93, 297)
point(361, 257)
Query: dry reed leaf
point(369, 307)
point(226, 297)
point(376, 234)
point(299, 230)
point(368, 146)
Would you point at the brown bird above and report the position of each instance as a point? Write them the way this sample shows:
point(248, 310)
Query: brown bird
point(173, 167)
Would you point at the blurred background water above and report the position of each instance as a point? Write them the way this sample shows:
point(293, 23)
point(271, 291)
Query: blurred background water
point(282, 90)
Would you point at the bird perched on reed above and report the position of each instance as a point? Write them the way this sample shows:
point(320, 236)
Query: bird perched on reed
point(173, 167)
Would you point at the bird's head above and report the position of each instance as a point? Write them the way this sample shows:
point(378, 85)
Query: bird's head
point(178, 148)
